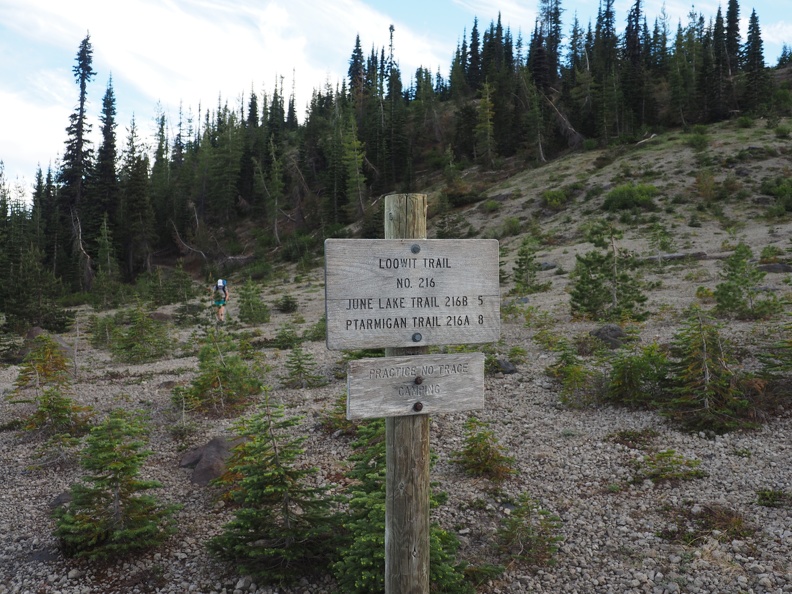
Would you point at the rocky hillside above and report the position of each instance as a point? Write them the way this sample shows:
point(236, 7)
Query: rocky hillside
point(644, 505)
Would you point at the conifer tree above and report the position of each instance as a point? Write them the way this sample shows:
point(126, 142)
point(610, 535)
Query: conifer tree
point(107, 289)
point(360, 568)
point(137, 216)
point(485, 132)
point(284, 528)
point(739, 294)
point(252, 310)
point(110, 515)
point(159, 180)
point(105, 191)
point(76, 164)
point(604, 287)
point(473, 58)
point(733, 36)
point(356, 74)
point(550, 14)
point(705, 395)
point(37, 304)
point(301, 370)
point(353, 156)
point(756, 77)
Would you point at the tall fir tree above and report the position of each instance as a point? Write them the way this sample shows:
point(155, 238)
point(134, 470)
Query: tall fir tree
point(733, 41)
point(75, 172)
point(137, 215)
point(105, 190)
point(757, 79)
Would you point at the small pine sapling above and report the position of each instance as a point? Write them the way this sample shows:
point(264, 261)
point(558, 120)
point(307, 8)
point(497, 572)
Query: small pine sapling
point(706, 393)
point(482, 455)
point(284, 528)
point(45, 369)
point(44, 365)
point(525, 270)
point(301, 368)
point(252, 310)
point(360, 568)
point(529, 535)
point(604, 286)
point(638, 378)
point(110, 515)
point(739, 294)
point(224, 382)
point(142, 340)
point(334, 420)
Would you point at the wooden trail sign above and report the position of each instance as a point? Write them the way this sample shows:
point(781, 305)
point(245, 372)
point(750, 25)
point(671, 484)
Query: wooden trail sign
point(411, 292)
point(404, 293)
point(422, 384)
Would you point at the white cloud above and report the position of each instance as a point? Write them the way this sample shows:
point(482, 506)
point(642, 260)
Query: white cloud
point(778, 33)
point(515, 15)
point(32, 133)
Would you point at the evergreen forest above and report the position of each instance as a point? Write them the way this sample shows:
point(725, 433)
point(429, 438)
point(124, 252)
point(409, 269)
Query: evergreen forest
point(247, 182)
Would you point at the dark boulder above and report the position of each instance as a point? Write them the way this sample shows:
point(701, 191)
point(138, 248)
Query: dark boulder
point(775, 267)
point(209, 461)
point(611, 334)
point(506, 367)
point(30, 339)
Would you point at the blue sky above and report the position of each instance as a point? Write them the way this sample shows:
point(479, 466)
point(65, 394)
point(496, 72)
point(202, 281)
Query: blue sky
point(163, 52)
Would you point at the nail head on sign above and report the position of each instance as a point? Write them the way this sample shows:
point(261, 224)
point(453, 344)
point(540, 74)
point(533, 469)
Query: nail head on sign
point(415, 248)
point(419, 380)
point(417, 337)
point(418, 407)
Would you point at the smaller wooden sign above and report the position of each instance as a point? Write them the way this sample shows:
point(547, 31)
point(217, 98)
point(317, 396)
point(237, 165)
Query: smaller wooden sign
point(418, 384)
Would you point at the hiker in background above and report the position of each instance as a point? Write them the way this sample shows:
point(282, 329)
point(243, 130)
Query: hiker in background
point(220, 298)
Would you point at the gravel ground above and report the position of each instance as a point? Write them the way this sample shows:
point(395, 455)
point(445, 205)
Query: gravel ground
point(565, 456)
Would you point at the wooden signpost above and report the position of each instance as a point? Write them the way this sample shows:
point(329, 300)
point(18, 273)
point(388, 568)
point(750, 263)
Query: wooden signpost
point(404, 293)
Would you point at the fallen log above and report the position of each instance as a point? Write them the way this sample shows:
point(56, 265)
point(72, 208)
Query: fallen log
point(676, 256)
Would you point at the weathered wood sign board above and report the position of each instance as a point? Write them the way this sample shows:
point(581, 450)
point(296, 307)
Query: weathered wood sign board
point(411, 292)
point(420, 384)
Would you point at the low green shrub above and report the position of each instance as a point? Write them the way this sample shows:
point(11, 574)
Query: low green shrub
point(554, 199)
point(631, 196)
point(666, 466)
point(286, 304)
point(691, 523)
point(529, 535)
point(482, 455)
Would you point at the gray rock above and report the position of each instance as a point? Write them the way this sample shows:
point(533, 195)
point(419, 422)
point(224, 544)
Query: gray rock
point(61, 499)
point(65, 348)
point(506, 367)
point(547, 265)
point(209, 461)
point(775, 267)
point(611, 334)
